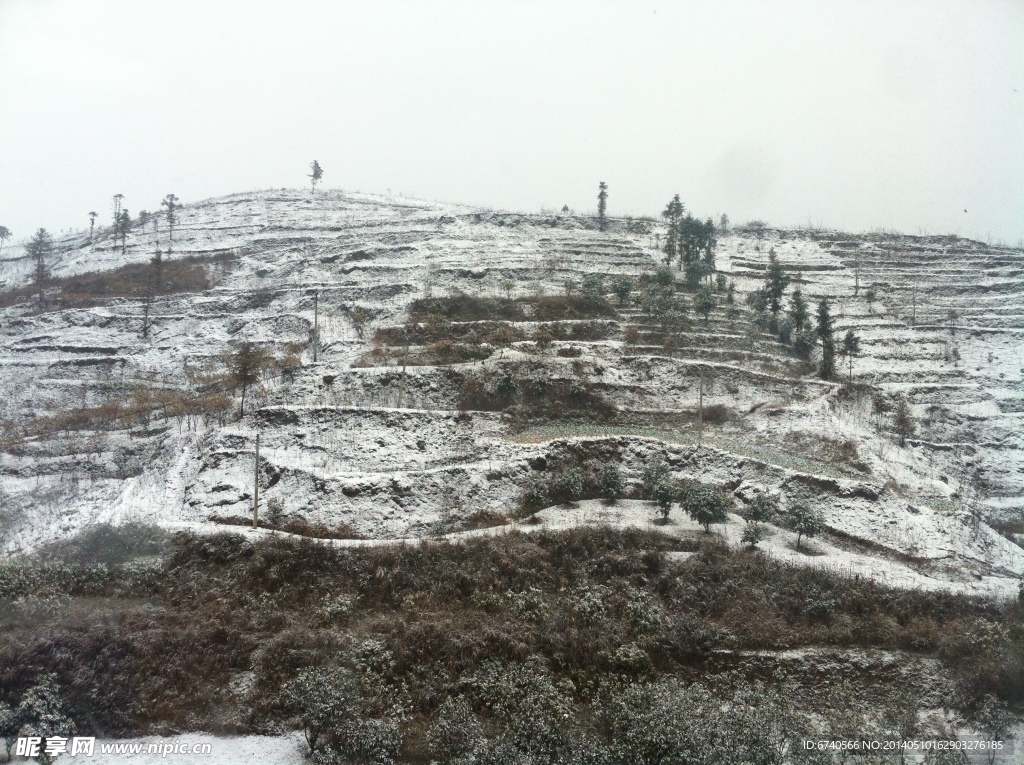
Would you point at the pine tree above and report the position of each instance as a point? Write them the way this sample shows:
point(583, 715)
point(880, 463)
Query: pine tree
point(121, 229)
point(828, 359)
point(824, 330)
point(692, 242)
point(39, 248)
point(851, 347)
point(689, 240)
point(803, 343)
point(116, 204)
point(673, 213)
point(705, 302)
point(147, 301)
point(708, 243)
point(776, 284)
point(5, 234)
point(602, 204)
point(171, 203)
point(316, 175)
point(92, 223)
point(156, 277)
point(798, 312)
point(903, 420)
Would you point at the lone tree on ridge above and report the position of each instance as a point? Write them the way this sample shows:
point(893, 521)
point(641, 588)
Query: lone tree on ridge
point(171, 203)
point(317, 173)
point(39, 249)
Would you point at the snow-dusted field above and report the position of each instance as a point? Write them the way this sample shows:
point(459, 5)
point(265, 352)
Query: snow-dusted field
point(336, 447)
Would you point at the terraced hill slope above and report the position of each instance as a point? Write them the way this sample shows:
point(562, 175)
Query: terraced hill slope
point(452, 373)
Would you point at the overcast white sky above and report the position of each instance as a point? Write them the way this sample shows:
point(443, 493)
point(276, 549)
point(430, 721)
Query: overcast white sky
point(855, 115)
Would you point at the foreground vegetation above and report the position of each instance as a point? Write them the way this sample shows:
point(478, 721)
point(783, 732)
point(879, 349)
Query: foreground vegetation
point(593, 645)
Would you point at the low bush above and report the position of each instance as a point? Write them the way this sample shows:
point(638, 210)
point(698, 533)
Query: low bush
point(530, 394)
point(464, 307)
point(108, 544)
point(573, 481)
point(717, 414)
point(295, 525)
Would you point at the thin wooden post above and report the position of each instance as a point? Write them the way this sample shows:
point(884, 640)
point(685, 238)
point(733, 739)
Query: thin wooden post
point(405, 358)
point(316, 325)
point(256, 487)
point(700, 411)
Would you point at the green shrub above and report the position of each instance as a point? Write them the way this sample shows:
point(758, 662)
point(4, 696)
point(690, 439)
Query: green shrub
point(655, 474)
point(611, 485)
point(753, 533)
point(762, 508)
point(704, 504)
point(42, 712)
point(664, 495)
point(804, 520)
point(804, 342)
point(694, 637)
point(458, 734)
point(566, 486)
point(592, 288)
point(324, 699)
point(535, 712)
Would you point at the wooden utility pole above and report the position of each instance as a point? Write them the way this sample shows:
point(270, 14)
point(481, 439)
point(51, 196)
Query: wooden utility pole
point(700, 411)
point(316, 325)
point(256, 487)
point(405, 358)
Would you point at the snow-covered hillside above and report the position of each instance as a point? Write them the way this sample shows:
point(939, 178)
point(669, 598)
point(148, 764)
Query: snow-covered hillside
point(359, 440)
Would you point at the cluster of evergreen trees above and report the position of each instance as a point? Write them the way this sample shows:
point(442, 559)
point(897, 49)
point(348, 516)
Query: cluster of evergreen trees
point(690, 243)
point(792, 324)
